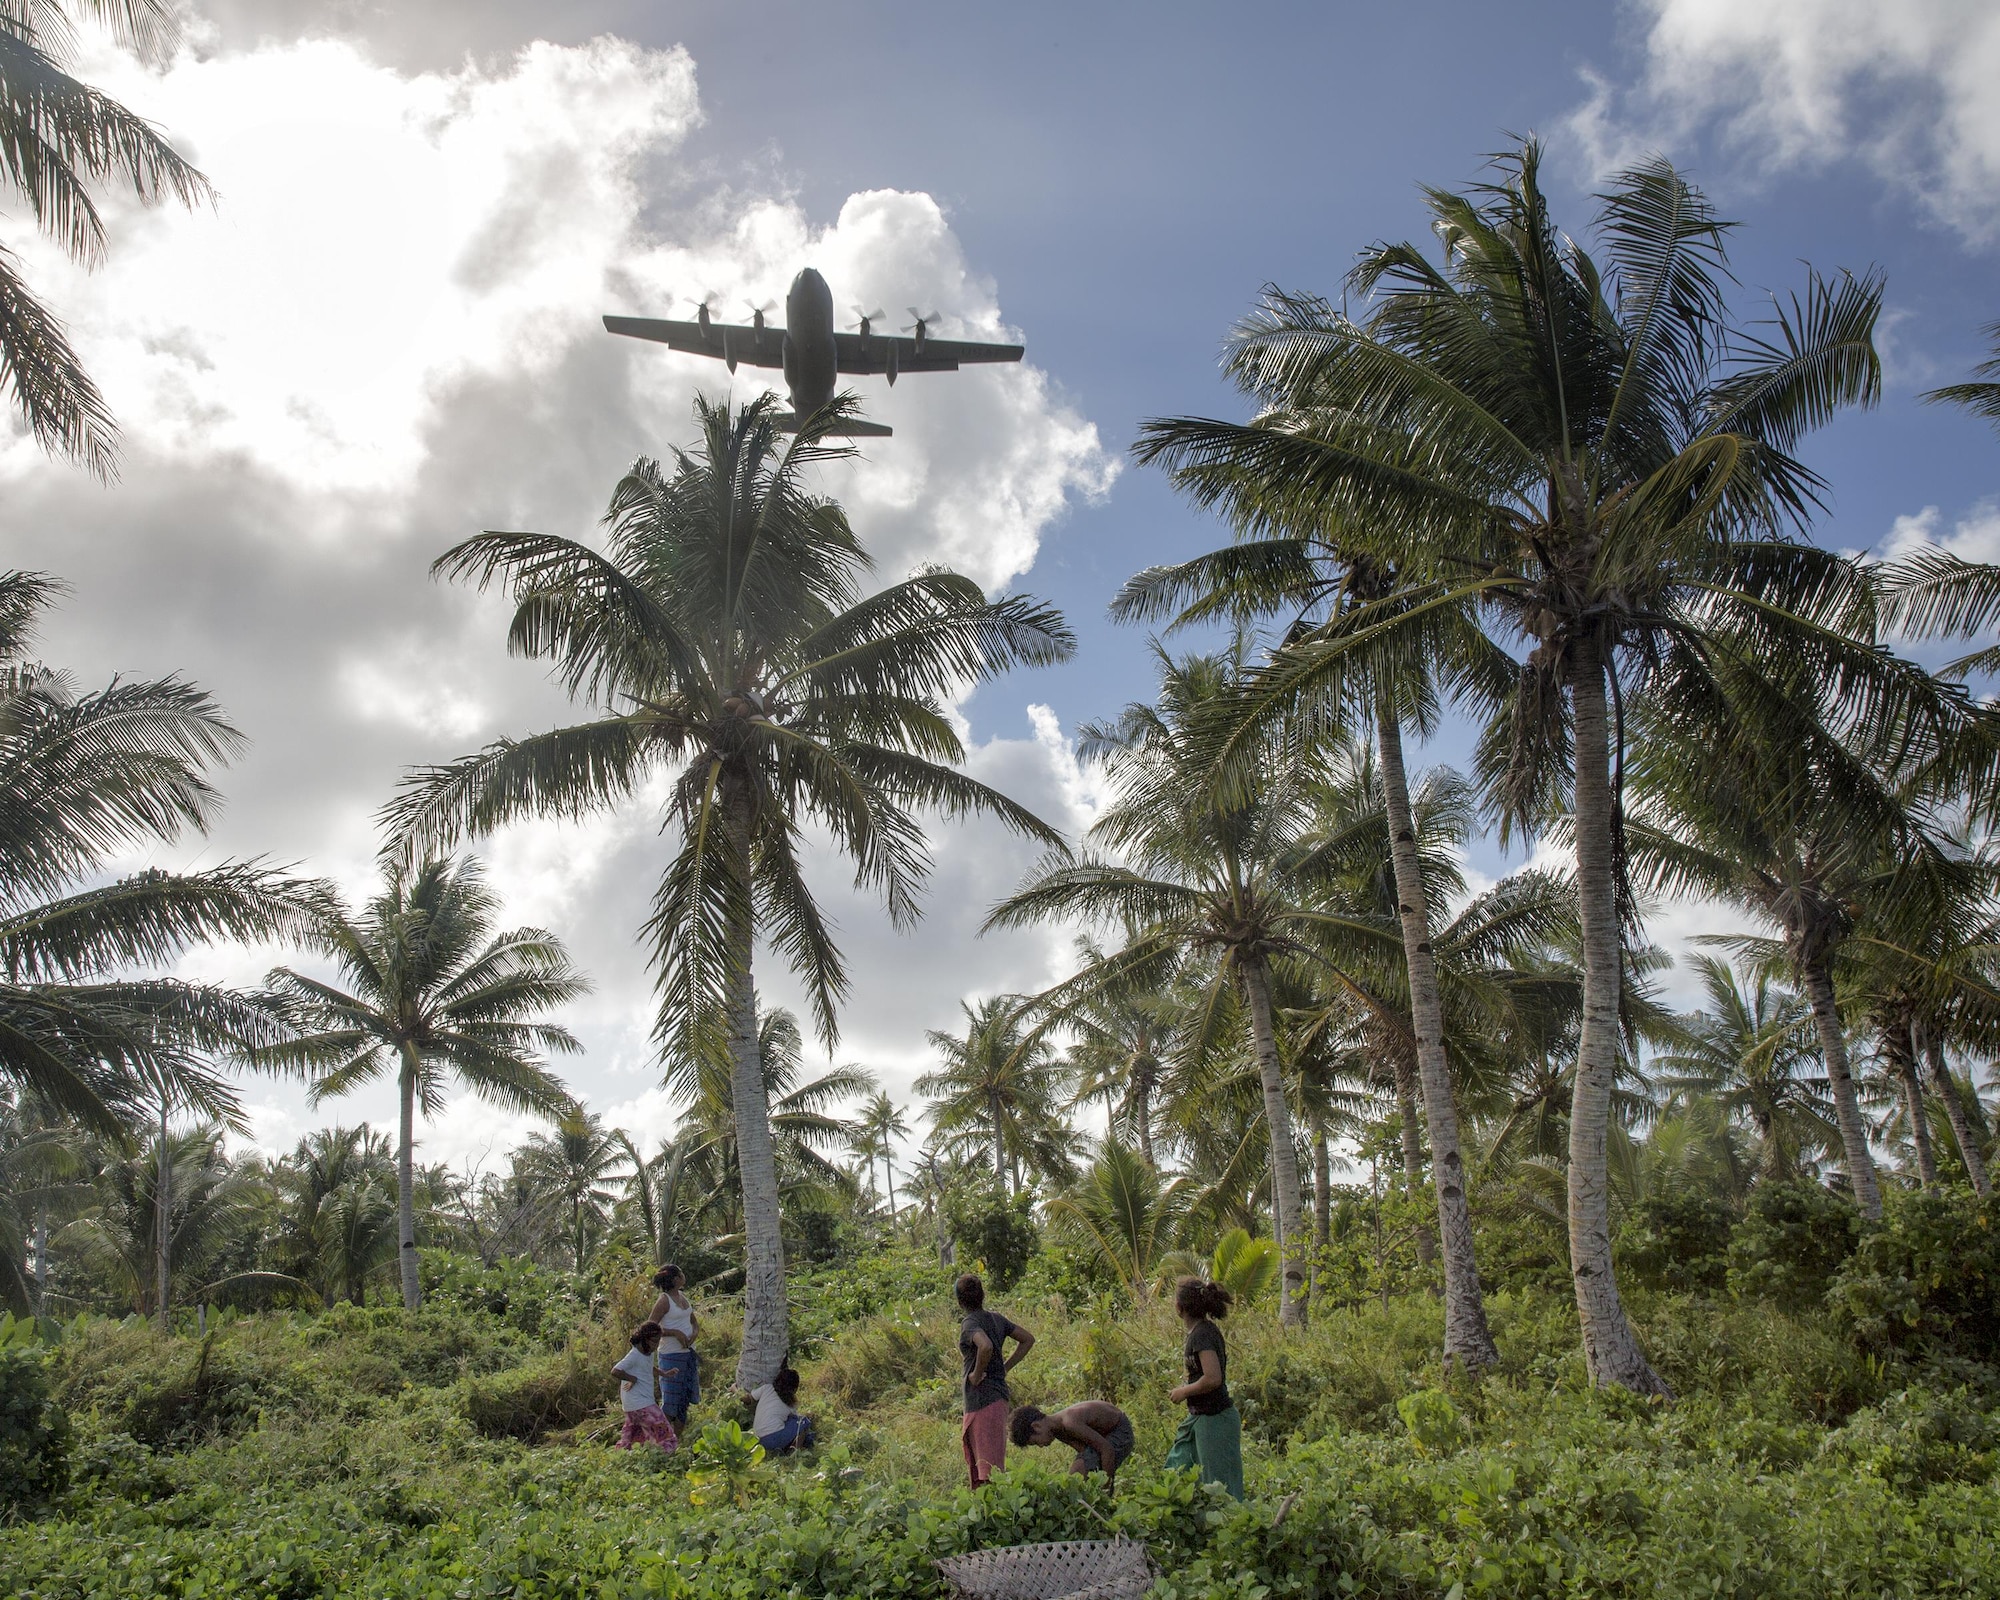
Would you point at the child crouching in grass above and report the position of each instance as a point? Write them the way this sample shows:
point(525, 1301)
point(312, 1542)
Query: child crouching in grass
point(779, 1427)
point(639, 1393)
point(1099, 1433)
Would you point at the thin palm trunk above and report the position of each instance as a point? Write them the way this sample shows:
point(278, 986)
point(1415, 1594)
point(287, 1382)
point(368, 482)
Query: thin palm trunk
point(1142, 1103)
point(1322, 1187)
point(42, 1259)
point(1468, 1341)
point(999, 1142)
point(163, 1219)
point(1285, 1199)
point(1611, 1352)
point(1961, 1125)
point(1840, 1078)
point(406, 1182)
point(1897, 1045)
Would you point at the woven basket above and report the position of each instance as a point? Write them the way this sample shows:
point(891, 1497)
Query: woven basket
point(1078, 1569)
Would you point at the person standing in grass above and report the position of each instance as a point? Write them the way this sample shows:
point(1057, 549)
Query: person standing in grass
point(982, 1338)
point(680, 1367)
point(639, 1394)
point(1211, 1435)
point(1099, 1433)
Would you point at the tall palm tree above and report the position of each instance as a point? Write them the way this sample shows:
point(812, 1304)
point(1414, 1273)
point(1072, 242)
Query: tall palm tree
point(877, 1127)
point(1595, 458)
point(123, 1231)
point(44, 1179)
point(1200, 873)
point(1751, 1049)
point(1001, 1086)
point(339, 1210)
point(60, 139)
point(578, 1162)
point(431, 994)
point(726, 638)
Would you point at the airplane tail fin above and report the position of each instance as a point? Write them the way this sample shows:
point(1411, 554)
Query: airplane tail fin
point(853, 428)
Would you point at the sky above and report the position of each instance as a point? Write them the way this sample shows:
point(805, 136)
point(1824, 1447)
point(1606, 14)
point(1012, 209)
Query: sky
point(384, 336)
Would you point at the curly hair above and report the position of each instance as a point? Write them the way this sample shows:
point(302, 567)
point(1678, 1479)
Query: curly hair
point(1198, 1298)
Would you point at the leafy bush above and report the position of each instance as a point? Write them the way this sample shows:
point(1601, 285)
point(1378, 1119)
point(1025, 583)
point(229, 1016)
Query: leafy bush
point(513, 1290)
point(1677, 1242)
point(543, 1397)
point(1792, 1240)
point(183, 1396)
point(995, 1230)
point(1927, 1280)
point(34, 1433)
point(1915, 1438)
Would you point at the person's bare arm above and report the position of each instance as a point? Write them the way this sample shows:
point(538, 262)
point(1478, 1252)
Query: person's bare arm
point(1085, 1437)
point(1209, 1381)
point(1024, 1341)
point(982, 1360)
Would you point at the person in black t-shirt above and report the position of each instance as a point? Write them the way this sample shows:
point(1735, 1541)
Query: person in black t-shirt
point(1211, 1436)
point(982, 1338)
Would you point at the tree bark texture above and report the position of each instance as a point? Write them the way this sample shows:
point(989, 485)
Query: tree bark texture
point(1468, 1341)
point(1285, 1197)
point(1611, 1352)
point(999, 1143)
point(42, 1259)
point(766, 1311)
point(1961, 1125)
point(1322, 1188)
point(1846, 1104)
point(406, 1184)
point(1142, 1103)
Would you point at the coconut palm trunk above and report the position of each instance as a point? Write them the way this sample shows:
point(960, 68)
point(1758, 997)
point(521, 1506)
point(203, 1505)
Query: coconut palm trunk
point(164, 1222)
point(1468, 1341)
point(406, 1181)
point(1818, 983)
point(1961, 1125)
point(1611, 1352)
point(999, 1147)
point(1897, 1046)
point(42, 1259)
point(1285, 1197)
point(766, 1316)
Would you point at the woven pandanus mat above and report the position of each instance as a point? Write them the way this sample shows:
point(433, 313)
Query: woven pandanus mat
point(1077, 1569)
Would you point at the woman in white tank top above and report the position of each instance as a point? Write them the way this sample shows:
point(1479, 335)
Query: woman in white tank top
point(678, 1366)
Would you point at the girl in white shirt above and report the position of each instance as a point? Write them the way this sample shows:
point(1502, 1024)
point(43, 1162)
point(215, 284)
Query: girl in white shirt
point(639, 1393)
point(778, 1426)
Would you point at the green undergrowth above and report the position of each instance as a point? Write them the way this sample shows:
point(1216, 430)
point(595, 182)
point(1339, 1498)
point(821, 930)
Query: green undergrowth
point(458, 1453)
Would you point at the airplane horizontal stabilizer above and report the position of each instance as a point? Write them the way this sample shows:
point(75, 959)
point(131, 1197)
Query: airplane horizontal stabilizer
point(853, 428)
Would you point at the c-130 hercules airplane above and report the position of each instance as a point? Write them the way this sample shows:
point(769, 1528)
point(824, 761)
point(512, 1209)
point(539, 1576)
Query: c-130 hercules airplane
point(811, 352)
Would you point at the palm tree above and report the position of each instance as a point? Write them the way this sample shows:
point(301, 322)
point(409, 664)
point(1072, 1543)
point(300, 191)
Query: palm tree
point(85, 777)
point(1001, 1086)
point(432, 995)
point(876, 1129)
point(147, 1235)
point(44, 1177)
point(1127, 1214)
point(1981, 397)
point(578, 1163)
point(1751, 1049)
point(339, 1210)
point(725, 635)
point(800, 1119)
point(1596, 460)
point(61, 138)
point(1207, 874)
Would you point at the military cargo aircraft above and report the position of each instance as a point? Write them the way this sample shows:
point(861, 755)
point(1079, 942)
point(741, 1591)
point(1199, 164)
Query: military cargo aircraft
point(810, 350)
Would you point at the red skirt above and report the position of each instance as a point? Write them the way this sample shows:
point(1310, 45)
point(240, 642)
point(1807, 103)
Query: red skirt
point(984, 1436)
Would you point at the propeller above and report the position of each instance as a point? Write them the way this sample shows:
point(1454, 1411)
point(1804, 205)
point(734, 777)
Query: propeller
point(701, 307)
point(921, 326)
point(868, 317)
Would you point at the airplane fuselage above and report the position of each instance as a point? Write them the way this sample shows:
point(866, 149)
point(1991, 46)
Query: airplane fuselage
point(812, 361)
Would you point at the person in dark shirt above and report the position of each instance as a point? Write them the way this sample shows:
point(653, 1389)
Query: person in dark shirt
point(1211, 1435)
point(1099, 1433)
point(982, 1338)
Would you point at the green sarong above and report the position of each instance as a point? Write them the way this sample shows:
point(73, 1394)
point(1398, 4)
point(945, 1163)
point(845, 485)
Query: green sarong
point(1215, 1445)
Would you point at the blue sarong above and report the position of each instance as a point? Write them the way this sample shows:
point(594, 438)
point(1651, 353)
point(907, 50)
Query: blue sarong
point(680, 1383)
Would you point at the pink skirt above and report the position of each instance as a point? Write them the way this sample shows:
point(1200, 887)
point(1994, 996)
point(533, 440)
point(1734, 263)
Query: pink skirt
point(649, 1425)
point(984, 1436)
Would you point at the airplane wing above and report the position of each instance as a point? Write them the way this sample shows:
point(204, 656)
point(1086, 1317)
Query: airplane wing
point(725, 341)
point(874, 353)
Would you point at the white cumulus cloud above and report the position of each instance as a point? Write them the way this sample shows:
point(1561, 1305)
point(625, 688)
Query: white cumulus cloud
point(384, 337)
point(1907, 87)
